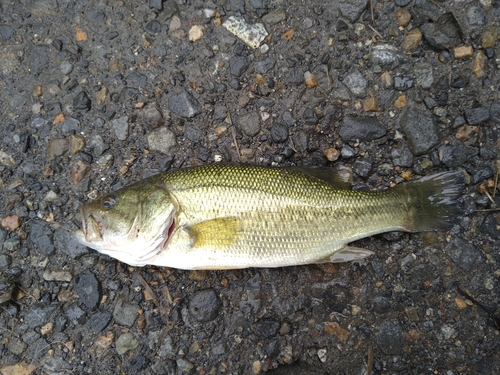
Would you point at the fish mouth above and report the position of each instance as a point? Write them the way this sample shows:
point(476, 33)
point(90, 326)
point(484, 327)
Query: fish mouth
point(91, 226)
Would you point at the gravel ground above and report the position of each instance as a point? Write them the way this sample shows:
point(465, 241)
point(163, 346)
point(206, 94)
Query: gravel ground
point(98, 94)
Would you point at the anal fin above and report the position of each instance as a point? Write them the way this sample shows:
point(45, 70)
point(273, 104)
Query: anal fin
point(347, 254)
point(216, 233)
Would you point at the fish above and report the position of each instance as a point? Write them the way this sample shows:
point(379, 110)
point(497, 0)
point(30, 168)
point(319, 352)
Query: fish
point(217, 217)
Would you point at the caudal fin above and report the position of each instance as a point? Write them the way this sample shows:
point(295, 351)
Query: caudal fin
point(433, 201)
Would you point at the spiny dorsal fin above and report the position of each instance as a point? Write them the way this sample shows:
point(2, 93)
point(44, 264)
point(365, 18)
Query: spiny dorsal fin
point(217, 233)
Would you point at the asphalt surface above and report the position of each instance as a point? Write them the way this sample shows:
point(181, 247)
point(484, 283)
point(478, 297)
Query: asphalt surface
point(95, 95)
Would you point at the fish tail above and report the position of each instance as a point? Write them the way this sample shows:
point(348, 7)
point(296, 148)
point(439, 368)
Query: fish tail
point(432, 202)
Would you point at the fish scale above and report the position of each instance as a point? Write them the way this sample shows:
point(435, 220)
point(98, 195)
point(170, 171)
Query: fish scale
point(223, 216)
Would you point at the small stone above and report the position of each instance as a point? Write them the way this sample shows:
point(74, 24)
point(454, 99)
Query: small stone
point(88, 289)
point(310, 80)
point(76, 143)
point(352, 9)
point(476, 116)
point(154, 115)
point(59, 119)
point(257, 367)
point(444, 33)
point(274, 17)
point(423, 75)
point(204, 305)
point(106, 160)
point(11, 222)
point(489, 38)
point(163, 141)
point(463, 52)
point(184, 105)
point(47, 328)
point(264, 66)
point(386, 56)
point(6, 159)
point(420, 130)
point(250, 124)
point(57, 147)
point(362, 167)
point(332, 154)
point(403, 83)
point(456, 156)
point(20, 368)
point(478, 65)
point(125, 313)
point(101, 95)
point(125, 343)
point(464, 254)
point(80, 35)
point(251, 35)
point(238, 65)
point(403, 17)
point(460, 303)
point(184, 365)
point(193, 133)
point(279, 133)
point(362, 129)
point(370, 105)
point(356, 83)
point(82, 101)
point(51, 196)
point(465, 132)
point(400, 102)
point(66, 67)
point(57, 275)
point(120, 127)
point(37, 91)
point(99, 320)
point(105, 341)
point(195, 33)
point(41, 237)
point(78, 171)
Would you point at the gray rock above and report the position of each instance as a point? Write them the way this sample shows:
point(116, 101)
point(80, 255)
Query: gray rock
point(120, 127)
point(12, 244)
point(97, 143)
point(362, 167)
point(403, 83)
point(249, 124)
point(6, 32)
point(491, 226)
point(265, 65)
point(268, 328)
point(204, 305)
point(347, 152)
point(301, 141)
point(475, 116)
point(444, 33)
point(156, 4)
point(38, 314)
point(66, 67)
point(220, 112)
point(390, 338)
point(82, 101)
point(423, 75)
point(455, 156)
point(495, 112)
point(88, 289)
point(41, 237)
point(274, 17)
point(289, 120)
point(420, 130)
point(402, 157)
point(184, 105)
point(138, 363)
point(57, 147)
point(75, 314)
point(65, 242)
point(99, 320)
point(5, 261)
point(464, 254)
point(482, 173)
point(138, 79)
point(39, 59)
point(70, 125)
point(167, 348)
point(279, 133)
point(364, 129)
point(184, 365)
point(356, 83)
point(193, 133)
point(54, 365)
point(238, 65)
point(476, 17)
point(352, 9)
point(387, 56)
point(125, 343)
point(125, 313)
point(163, 141)
point(16, 346)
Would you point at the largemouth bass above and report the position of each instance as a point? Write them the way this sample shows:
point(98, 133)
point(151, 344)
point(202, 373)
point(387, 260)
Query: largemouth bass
point(223, 217)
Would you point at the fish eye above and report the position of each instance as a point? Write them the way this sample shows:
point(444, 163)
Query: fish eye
point(110, 202)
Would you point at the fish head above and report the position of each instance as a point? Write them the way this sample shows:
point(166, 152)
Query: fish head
point(132, 224)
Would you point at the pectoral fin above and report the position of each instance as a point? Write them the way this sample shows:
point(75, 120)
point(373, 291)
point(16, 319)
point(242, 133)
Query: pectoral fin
point(216, 233)
point(347, 254)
